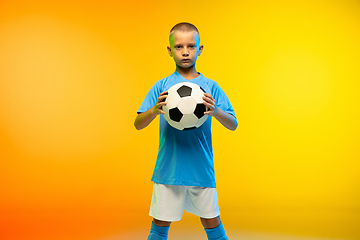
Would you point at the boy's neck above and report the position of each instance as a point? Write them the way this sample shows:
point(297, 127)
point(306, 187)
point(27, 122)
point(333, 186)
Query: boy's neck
point(188, 73)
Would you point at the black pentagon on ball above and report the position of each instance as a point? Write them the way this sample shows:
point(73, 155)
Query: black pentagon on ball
point(184, 91)
point(199, 110)
point(175, 114)
point(190, 128)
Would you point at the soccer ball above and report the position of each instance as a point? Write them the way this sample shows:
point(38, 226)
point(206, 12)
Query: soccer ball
point(184, 109)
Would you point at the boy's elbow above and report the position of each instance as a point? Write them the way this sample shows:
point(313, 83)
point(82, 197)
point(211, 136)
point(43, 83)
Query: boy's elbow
point(234, 126)
point(136, 124)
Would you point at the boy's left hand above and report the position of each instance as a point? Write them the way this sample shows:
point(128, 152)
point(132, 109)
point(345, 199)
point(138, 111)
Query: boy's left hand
point(210, 103)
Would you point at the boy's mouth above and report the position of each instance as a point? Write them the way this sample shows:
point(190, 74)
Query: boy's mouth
point(185, 60)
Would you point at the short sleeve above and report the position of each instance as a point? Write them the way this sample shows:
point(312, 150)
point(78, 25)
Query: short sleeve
point(221, 100)
point(151, 97)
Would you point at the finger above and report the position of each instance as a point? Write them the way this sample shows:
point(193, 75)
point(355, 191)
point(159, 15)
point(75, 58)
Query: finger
point(209, 96)
point(162, 98)
point(207, 104)
point(165, 92)
point(162, 112)
point(212, 99)
point(207, 99)
point(211, 107)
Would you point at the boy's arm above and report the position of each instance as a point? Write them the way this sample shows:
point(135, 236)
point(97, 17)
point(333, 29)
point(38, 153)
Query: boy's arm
point(226, 119)
point(143, 119)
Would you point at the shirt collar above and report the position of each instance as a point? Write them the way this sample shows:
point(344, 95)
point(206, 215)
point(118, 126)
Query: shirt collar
point(194, 79)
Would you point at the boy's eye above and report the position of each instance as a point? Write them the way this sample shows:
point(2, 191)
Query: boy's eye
point(191, 46)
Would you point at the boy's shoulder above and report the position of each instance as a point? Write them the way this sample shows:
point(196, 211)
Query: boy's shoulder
point(162, 83)
point(167, 81)
point(211, 83)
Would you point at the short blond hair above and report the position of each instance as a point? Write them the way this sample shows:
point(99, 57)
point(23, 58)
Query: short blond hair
point(183, 27)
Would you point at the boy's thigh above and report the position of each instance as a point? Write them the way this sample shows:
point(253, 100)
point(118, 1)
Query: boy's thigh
point(168, 202)
point(203, 202)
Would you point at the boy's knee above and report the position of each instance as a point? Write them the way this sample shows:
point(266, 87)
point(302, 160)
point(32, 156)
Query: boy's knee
point(161, 223)
point(217, 233)
point(209, 223)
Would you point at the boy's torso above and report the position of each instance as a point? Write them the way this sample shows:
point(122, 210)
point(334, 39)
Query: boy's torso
point(185, 157)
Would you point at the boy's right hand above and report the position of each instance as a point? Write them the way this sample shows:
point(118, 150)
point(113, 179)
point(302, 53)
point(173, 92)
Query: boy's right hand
point(157, 109)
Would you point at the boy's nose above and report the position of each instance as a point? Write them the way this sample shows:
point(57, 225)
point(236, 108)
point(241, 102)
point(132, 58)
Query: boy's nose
point(186, 52)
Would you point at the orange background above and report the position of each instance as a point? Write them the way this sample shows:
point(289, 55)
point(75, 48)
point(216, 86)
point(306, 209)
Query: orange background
point(74, 73)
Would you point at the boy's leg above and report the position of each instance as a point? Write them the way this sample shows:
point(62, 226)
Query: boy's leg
point(161, 223)
point(159, 230)
point(214, 228)
point(210, 223)
point(167, 203)
point(203, 202)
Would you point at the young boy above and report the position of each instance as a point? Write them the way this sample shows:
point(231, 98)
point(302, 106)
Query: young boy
point(184, 171)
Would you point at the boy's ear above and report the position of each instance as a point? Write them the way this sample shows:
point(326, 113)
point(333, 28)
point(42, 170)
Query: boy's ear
point(169, 51)
point(200, 49)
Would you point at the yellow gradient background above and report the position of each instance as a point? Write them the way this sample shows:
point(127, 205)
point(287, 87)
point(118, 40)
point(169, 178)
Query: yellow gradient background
point(74, 73)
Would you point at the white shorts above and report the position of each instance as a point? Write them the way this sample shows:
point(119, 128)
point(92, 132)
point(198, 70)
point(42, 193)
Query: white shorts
point(169, 202)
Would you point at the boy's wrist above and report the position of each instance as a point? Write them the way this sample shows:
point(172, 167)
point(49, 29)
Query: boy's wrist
point(155, 111)
point(216, 112)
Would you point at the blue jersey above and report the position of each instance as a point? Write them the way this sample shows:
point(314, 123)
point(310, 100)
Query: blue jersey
point(185, 157)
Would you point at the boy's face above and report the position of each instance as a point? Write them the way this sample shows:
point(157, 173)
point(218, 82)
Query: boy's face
point(185, 45)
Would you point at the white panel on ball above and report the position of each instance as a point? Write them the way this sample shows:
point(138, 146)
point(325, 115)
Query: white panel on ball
point(176, 125)
point(198, 95)
point(187, 105)
point(201, 120)
point(189, 120)
point(172, 100)
point(166, 110)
